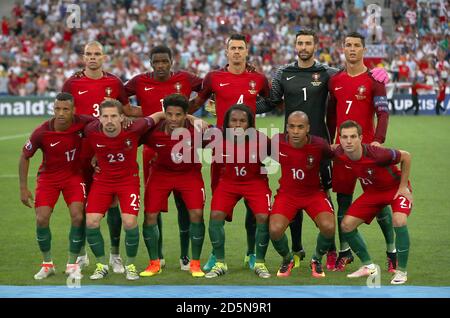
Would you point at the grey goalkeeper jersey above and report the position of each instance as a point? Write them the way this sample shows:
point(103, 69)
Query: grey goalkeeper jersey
point(304, 89)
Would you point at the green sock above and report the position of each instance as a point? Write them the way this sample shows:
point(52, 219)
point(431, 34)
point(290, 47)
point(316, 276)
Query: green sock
point(402, 246)
point(250, 228)
point(357, 244)
point(197, 231)
point(217, 236)
point(322, 246)
point(262, 241)
point(384, 219)
point(83, 237)
point(160, 240)
point(344, 201)
point(296, 231)
point(183, 225)
point(131, 244)
point(151, 237)
point(44, 239)
point(75, 243)
point(95, 240)
point(115, 226)
point(282, 247)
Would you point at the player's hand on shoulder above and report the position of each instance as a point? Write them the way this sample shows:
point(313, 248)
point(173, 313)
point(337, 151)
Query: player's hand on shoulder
point(127, 122)
point(78, 74)
point(26, 197)
point(250, 67)
point(376, 144)
point(380, 75)
point(199, 124)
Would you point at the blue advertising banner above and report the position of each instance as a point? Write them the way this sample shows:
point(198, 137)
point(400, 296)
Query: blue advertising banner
point(427, 104)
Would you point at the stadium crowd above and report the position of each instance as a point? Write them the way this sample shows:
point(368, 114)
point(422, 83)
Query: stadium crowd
point(38, 52)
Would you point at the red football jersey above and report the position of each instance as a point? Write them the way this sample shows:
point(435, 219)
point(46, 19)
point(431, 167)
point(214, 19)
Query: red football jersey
point(230, 89)
point(116, 156)
point(171, 156)
point(376, 169)
point(150, 93)
point(89, 93)
point(243, 161)
point(300, 167)
point(61, 149)
point(358, 98)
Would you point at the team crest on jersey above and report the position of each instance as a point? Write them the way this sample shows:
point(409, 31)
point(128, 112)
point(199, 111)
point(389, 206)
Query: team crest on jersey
point(361, 91)
point(80, 134)
point(252, 89)
point(28, 145)
point(178, 87)
point(310, 161)
point(370, 172)
point(108, 91)
point(128, 144)
point(316, 79)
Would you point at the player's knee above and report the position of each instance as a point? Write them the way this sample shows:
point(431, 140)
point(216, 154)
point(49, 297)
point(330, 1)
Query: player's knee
point(77, 219)
point(399, 220)
point(327, 228)
point(42, 220)
point(276, 231)
point(196, 216)
point(150, 218)
point(262, 218)
point(129, 223)
point(346, 226)
point(92, 222)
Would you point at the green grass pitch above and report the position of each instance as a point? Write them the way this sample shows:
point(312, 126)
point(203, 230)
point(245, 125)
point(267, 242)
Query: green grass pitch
point(426, 138)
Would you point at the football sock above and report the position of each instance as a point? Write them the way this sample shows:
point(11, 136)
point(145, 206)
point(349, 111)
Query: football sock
point(357, 244)
point(183, 225)
point(344, 201)
point(217, 236)
point(296, 232)
point(384, 219)
point(75, 243)
point(151, 235)
point(160, 240)
point(83, 238)
point(402, 246)
point(250, 227)
point(44, 239)
point(282, 247)
point(197, 232)
point(262, 241)
point(323, 246)
point(114, 220)
point(131, 244)
point(95, 240)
